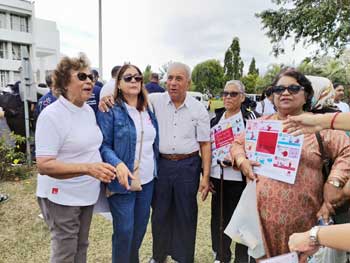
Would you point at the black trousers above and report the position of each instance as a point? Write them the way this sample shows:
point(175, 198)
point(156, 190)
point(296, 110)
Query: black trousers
point(232, 192)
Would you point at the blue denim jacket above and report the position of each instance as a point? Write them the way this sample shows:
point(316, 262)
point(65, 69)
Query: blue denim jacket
point(119, 140)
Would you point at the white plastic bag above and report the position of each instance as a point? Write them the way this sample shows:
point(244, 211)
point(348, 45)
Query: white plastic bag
point(244, 226)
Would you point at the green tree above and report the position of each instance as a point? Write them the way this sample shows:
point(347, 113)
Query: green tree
point(147, 74)
point(324, 23)
point(252, 67)
point(233, 64)
point(250, 81)
point(208, 76)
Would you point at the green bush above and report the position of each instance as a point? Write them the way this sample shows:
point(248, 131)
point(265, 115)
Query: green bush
point(12, 161)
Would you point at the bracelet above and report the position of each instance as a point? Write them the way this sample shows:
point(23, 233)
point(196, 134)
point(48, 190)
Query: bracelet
point(240, 160)
point(333, 119)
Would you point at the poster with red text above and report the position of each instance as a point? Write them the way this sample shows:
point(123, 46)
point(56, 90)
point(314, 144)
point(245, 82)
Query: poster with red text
point(277, 152)
point(222, 135)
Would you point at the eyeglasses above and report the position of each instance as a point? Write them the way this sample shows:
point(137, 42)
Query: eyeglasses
point(292, 89)
point(83, 76)
point(128, 78)
point(232, 94)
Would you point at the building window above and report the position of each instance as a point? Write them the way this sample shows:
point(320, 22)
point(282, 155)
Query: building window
point(16, 51)
point(3, 50)
point(4, 78)
point(2, 20)
point(16, 76)
point(19, 23)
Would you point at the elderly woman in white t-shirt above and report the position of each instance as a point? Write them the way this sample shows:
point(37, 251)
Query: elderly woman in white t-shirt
point(69, 162)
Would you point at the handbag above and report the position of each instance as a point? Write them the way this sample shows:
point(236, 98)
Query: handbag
point(341, 213)
point(136, 183)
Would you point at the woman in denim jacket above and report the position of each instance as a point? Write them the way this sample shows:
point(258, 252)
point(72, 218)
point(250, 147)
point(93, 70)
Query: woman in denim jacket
point(130, 142)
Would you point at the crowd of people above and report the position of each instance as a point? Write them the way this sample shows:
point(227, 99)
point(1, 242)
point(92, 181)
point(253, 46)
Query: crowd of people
point(146, 152)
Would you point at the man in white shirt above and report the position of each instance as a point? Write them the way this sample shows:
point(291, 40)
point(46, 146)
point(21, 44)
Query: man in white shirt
point(339, 95)
point(266, 107)
point(108, 88)
point(184, 130)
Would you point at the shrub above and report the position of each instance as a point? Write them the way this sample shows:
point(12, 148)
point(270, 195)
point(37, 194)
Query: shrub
point(12, 161)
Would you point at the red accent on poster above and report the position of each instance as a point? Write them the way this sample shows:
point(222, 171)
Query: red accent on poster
point(267, 142)
point(224, 137)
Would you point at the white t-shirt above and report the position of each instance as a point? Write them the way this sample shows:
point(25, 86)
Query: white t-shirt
point(268, 107)
point(342, 106)
point(71, 135)
point(229, 173)
point(108, 88)
point(147, 154)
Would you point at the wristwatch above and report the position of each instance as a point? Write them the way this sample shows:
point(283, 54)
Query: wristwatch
point(313, 235)
point(335, 183)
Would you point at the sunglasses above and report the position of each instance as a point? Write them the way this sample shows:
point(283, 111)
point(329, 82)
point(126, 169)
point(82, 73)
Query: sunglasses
point(292, 89)
point(128, 78)
point(232, 94)
point(83, 76)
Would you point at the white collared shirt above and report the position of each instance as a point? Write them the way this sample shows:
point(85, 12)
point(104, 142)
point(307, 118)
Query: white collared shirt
point(342, 106)
point(71, 135)
point(180, 130)
point(268, 108)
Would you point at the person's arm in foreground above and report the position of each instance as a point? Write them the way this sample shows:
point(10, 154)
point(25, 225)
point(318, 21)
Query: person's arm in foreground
point(334, 236)
point(204, 186)
point(310, 123)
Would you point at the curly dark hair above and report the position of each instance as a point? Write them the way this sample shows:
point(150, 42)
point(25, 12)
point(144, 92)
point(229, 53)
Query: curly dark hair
point(62, 74)
point(142, 100)
point(302, 81)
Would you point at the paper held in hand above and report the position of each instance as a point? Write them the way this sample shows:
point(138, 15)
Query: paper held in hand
point(277, 152)
point(285, 258)
point(222, 135)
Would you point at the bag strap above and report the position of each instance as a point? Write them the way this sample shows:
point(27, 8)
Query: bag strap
point(325, 161)
point(142, 132)
point(262, 107)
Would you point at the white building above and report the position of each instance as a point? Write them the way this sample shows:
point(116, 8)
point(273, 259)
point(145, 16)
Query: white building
point(19, 27)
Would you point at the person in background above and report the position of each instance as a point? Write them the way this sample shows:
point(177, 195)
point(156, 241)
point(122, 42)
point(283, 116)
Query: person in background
point(130, 142)
point(67, 141)
point(303, 202)
point(234, 184)
point(48, 98)
point(94, 100)
point(107, 90)
point(265, 105)
point(339, 95)
point(153, 85)
point(96, 76)
point(184, 130)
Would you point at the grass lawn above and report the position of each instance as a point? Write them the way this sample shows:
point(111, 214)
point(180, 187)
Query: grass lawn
point(214, 104)
point(24, 237)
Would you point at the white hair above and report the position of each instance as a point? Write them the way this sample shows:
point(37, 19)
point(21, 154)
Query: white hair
point(237, 83)
point(180, 65)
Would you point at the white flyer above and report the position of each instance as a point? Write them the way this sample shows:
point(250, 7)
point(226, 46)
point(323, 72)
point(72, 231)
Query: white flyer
point(277, 152)
point(285, 258)
point(222, 135)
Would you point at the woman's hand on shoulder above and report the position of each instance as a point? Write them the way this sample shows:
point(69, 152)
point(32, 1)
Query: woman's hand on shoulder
point(106, 103)
point(101, 171)
point(123, 174)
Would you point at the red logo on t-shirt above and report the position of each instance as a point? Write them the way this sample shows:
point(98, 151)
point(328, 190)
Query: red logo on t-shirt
point(54, 191)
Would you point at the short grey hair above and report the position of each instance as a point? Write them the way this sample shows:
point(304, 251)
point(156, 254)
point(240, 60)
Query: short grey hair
point(180, 65)
point(237, 83)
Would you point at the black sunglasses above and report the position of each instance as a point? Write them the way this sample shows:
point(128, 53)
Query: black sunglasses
point(292, 89)
point(83, 76)
point(232, 94)
point(128, 78)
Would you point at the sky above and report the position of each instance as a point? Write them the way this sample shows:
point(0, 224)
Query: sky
point(155, 32)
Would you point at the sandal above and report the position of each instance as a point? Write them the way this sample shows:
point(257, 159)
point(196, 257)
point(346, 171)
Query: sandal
point(3, 198)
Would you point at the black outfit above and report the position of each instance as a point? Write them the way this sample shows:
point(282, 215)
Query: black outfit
point(232, 191)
